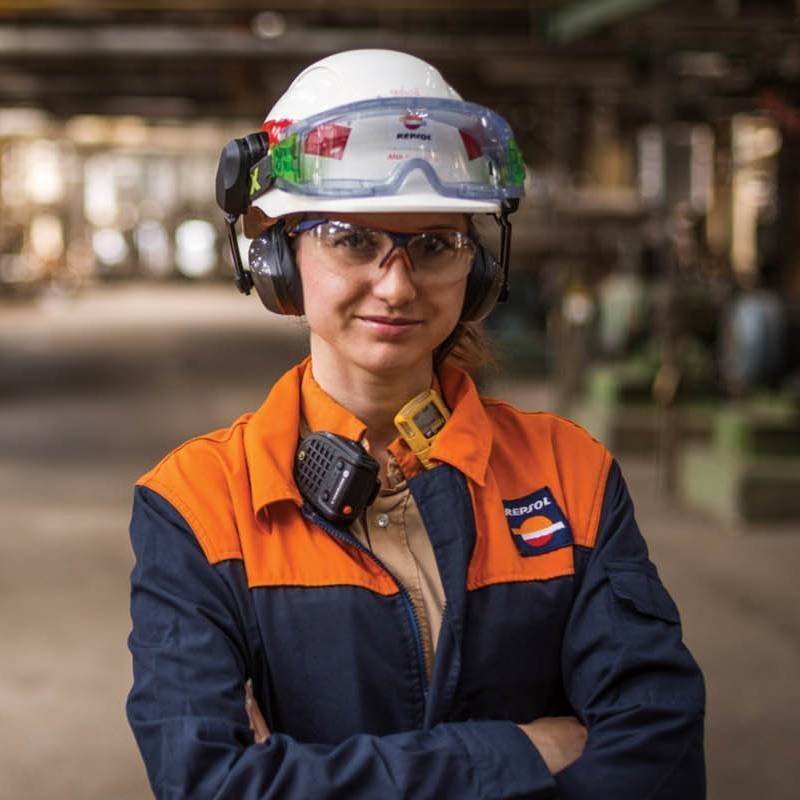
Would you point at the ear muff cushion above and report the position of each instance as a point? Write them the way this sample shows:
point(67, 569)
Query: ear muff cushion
point(483, 286)
point(274, 271)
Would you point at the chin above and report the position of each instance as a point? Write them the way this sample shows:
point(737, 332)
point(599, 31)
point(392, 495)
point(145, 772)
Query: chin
point(388, 358)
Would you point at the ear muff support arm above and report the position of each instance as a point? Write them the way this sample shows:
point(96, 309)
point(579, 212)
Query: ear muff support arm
point(233, 189)
point(509, 207)
point(242, 278)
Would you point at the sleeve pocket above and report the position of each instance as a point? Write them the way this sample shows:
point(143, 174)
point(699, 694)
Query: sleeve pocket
point(637, 584)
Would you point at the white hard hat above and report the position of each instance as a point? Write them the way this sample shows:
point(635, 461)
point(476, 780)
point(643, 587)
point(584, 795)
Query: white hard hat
point(350, 77)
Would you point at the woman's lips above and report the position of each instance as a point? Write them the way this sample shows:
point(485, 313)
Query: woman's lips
point(390, 326)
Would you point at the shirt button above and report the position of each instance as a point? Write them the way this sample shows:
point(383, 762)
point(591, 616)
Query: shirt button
point(383, 520)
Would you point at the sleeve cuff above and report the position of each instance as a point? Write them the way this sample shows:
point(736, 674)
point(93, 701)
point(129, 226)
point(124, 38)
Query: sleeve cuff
point(509, 764)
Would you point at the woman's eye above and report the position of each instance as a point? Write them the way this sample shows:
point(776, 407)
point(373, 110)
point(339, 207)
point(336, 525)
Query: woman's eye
point(355, 240)
point(438, 244)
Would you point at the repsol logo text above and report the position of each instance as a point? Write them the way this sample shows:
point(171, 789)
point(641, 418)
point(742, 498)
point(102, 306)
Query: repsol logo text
point(425, 137)
point(536, 505)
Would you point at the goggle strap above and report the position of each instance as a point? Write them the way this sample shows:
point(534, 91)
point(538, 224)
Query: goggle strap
point(261, 178)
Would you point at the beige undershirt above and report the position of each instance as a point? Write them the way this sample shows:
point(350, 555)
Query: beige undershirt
point(392, 529)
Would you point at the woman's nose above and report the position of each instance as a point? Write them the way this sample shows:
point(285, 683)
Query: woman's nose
point(394, 283)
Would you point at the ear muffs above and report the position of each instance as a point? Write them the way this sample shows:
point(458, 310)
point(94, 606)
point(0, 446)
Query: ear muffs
point(277, 279)
point(274, 271)
point(484, 285)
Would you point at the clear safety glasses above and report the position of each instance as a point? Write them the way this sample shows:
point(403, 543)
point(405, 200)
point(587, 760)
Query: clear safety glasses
point(369, 148)
point(356, 252)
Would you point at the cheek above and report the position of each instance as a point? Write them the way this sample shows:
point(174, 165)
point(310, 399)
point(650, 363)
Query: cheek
point(450, 301)
point(324, 293)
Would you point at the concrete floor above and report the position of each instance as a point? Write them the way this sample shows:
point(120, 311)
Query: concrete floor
point(95, 390)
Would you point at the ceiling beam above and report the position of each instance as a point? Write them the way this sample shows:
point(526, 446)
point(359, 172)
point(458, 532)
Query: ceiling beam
point(465, 6)
point(124, 41)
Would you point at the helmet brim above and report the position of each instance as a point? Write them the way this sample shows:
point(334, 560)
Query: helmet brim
point(278, 203)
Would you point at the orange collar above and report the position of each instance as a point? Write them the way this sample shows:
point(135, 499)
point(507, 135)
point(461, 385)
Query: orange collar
point(323, 413)
point(272, 433)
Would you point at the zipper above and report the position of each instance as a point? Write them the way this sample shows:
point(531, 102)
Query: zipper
point(409, 606)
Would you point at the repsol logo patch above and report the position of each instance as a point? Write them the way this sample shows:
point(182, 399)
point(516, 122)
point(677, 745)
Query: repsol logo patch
point(536, 523)
point(520, 511)
point(424, 137)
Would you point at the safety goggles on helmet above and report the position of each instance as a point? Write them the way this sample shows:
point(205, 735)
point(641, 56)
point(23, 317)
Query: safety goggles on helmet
point(354, 251)
point(369, 149)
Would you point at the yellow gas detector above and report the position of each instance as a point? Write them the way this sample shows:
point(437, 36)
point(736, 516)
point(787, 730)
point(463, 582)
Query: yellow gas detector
point(419, 422)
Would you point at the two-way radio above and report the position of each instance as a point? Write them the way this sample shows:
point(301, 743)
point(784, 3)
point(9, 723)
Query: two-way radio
point(336, 476)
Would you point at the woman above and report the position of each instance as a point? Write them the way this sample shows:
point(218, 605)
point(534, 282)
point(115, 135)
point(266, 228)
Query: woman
point(490, 626)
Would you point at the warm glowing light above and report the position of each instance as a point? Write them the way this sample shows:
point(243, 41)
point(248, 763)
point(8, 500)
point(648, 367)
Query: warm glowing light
point(47, 237)
point(88, 129)
point(99, 190)
point(23, 122)
point(44, 179)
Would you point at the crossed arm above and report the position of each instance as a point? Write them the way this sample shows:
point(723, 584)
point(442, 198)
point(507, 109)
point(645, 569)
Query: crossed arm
point(637, 692)
point(559, 740)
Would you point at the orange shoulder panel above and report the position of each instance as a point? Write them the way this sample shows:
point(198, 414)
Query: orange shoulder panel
point(208, 482)
point(205, 479)
point(532, 451)
point(288, 550)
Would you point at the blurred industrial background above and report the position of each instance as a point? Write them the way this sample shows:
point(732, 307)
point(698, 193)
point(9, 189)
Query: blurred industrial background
point(655, 299)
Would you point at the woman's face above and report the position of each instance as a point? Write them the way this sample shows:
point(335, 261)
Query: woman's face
point(385, 322)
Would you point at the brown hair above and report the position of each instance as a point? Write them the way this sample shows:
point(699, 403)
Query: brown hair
point(467, 347)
